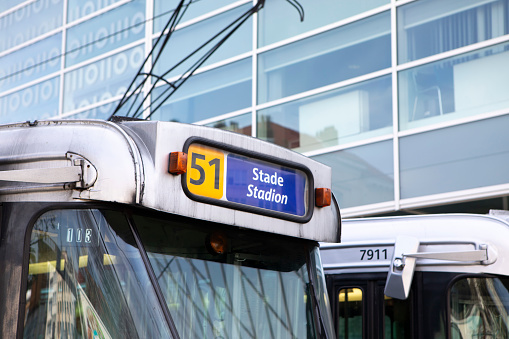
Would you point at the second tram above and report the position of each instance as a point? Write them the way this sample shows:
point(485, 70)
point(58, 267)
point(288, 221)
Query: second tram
point(426, 276)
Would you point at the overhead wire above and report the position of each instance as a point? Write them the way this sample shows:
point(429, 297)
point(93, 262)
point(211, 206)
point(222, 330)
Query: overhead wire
point(173, 86)
point(227, 31)
point(173, 21)
point(298, 7)
point(170, 26)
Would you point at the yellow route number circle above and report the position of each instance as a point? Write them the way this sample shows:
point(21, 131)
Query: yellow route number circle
point(205, 171)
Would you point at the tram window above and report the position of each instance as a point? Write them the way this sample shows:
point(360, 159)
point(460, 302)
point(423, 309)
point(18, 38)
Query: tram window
point(396, 318)
point(86, 279)
point(257, 286)
point(349, 324)
point(479, 308)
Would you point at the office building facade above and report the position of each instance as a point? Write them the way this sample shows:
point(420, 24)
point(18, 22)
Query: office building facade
point(407, 101)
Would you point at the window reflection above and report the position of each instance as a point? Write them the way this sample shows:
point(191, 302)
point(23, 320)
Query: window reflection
point(456, 158)
point(186, 40)
point(240, 124)
point(86, 279)
point(77, 9)
point(258, 287)
point(278, 20)
point(8, 4)
point(206, 95)
point(337, 117)
point(30, 63)
point(106, 32)
point(434, 26)
point(366, 174)
point(330, 57)
point(163, 9)
point(321, 291)
point(461, 86)
point(30, 21)
point(102, 80)
point(480, 308)
point(36, 102)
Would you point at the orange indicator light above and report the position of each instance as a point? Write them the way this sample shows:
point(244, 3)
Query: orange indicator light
point(217, 242)
point(322, 197)
point(178, 163)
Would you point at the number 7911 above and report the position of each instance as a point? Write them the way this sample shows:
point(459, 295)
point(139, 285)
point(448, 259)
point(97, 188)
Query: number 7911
point(376, 254)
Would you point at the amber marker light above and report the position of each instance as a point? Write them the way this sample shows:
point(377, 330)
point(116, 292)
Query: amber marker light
point(178, 163)
point(217, 242)
point(322, 197)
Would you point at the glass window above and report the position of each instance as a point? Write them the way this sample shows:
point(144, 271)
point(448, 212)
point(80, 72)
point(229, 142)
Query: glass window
point(30, 63)
point(239, 124)
point(86, 279)
point(253, 286)
point(434, 26)
point(36, 102)
point(349, 321)
point(102, 112)
point(455, 158)
point(348, 114)
point(343, 53)
point(278, 20)
point(8, 4)
point(106, 32)
point(30, 21)
point(186, 40)
point(456, 87)
point(479, 308)
point(361, 175)
point(206, 95)
point(101, 80)
point(321, 291)
point(77, 9)
point(397, 318)
point(163, 10)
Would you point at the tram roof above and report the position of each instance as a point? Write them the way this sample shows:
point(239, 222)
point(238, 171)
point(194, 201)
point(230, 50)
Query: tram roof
point(456, 235)
point(127, 162)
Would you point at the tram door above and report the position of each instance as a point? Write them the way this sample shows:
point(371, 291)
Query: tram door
point(361, 310)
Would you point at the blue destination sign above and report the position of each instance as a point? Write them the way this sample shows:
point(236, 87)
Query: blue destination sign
point(266, 185)
point(228, 176)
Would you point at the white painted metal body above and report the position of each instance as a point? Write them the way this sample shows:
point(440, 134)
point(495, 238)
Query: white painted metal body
point(463, 243)
point(128, 163)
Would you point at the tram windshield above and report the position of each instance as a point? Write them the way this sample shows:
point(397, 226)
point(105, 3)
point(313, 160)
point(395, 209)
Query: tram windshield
point(480, 308)
point(87, 278)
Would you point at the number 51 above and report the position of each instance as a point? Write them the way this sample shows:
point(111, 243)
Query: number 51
point(205, 169)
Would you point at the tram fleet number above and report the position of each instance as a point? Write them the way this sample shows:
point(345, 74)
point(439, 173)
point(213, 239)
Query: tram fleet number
point(79, 235)
point(373, 254)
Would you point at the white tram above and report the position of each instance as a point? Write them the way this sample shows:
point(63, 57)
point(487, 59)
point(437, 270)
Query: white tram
point(160, 230)
point(426, 276)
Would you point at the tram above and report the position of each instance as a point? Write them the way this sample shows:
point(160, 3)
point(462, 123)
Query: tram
point(145, 229)
point(425, 276)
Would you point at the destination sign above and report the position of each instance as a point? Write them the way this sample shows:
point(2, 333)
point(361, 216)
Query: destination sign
point(246, 181)
point(265, 185)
